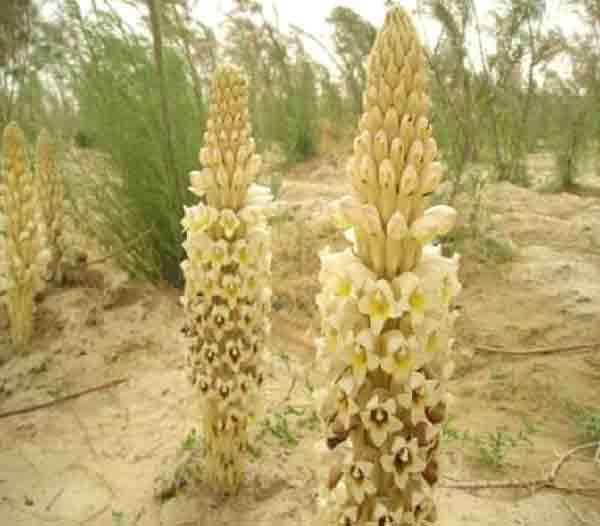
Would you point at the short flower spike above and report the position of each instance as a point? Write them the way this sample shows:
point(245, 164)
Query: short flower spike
point(227, 295)
point(386, 305)
point(51, 199)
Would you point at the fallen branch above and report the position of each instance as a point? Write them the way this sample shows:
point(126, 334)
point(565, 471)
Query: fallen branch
point(32, 408)
point(542, 350)
point(533, 484)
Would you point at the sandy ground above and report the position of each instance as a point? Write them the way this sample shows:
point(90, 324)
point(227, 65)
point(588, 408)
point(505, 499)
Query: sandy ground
point(94, 460)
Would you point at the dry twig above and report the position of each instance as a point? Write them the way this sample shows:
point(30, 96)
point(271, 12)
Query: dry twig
point(542, 350)
point(122, 249)
point(533, 484)
point(32, 408)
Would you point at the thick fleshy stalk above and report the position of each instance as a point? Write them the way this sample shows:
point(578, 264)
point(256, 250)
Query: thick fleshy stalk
point(21, 239)
point(386, 304)
point(51, 193)
point(227, 274)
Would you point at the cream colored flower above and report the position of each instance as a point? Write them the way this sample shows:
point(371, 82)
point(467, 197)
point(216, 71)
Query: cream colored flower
point(219, 254)
point(434, 340)
point(418, 303)
point(236, 419)
point(234, 354)
point(380, 419)
point(359, 479)
point(345, 405)
point(343, 315)
point(229, 222)
point(425, 394)
point(243, 254)
point(360, 357)
point(250, 285)
point(378, 303)
point(198, 248)
point(422, 502)
point(199, 218)
point(252, 215)
point(247, 317)
point(404, 460)
point(202, 181)
point(348, 516)
point(231, 289)
point(342, 273)
point(205, 385)
point(401, 357)
point(208, 285)
point(384, 516)
point(330, 349)
point(259, 195)
point(404, 286)
point(437, 221)
point(224, 390)
point(220, 321)
point(259, 239)
point(210, 352)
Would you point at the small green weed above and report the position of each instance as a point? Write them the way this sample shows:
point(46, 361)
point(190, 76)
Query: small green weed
point(118, 518)
point(255, 453)
point(279, 427)
point(191, 440)
point(491, 446)
point(585, 419)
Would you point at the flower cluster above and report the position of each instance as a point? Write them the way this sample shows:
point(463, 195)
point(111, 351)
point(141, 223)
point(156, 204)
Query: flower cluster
point(386, 303)
point(387, 347)
point(51, 198)
point(227, 295)
point(21, 238)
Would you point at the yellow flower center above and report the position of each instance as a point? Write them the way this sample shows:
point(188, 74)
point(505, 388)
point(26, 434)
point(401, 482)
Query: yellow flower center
point(218, 255)
point(360, 356)
point(344, 288)
point(417, 300)
point(379, 306)
point(243, 256)
point(402, 359)
point(432, 343)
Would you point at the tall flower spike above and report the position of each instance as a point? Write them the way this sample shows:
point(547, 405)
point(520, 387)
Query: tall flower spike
point(51, 194)
point(395, 396)
point(227, 275)
point(17, 198)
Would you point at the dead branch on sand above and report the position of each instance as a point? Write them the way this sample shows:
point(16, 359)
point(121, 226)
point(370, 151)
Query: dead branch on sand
point(32, 408)
point(534, 484)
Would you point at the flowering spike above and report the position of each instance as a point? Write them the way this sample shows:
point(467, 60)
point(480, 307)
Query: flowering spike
point(51, 198)
point(385, 305)
point(227, 272)
point(21, 238)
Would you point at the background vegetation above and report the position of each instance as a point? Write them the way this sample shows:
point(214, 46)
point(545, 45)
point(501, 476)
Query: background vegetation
point(138, 96)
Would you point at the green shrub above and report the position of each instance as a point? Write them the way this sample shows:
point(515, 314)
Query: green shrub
point(140, 204)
